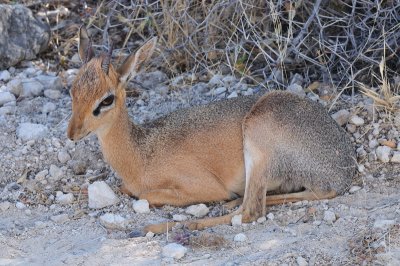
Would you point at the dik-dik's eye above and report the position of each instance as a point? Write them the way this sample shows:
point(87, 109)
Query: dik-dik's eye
point(104, 105)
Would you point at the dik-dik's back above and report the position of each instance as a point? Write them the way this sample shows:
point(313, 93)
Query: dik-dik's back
point(242, 147)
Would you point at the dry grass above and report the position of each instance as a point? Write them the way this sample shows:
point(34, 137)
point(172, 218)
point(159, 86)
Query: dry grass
point(338, 43)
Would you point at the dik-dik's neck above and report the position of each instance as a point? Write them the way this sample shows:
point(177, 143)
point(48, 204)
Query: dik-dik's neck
point(120, 149)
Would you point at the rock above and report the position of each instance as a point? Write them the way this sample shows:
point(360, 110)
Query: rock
point(20, 205)
point(296, 89)
point(30, 131)
point(261, 220)
point(384, 223)
point(150, 234)
point(22, 36)
point(113, 221)
point(63, 156)
point(229, 80)
point(50, 82)
point(373, 143)
point(236, 220)
point(395, 157)
point(219, 90)
point(52, 94)
point(341, 117)
point(240, 238)
point(141, 206)
point(78, 167)
point(55, 172)
point(5, 75)
point(6, 97)
point(48, 107)
point(233, 95)
point(31, 88)
point(152, 79)
point(301, 261)
point(390, 143)
point(329, 216)
point(270, 216)
point(179, 217)
point(61, 218)
point(354, 189)
point(248, 92)
point(65, 198)
point(174, 250)
point(5, 205)
point(199, 210)
point(15, 86)
point(41, 175)
point(383, 152)
point(356, 120)
point(7, 110)
point(216, 80)
point(101, 195)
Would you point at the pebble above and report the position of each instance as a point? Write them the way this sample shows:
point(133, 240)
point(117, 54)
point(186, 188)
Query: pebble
point(30, 88)
point(113, 221)
point(179, 217)
point(6, 110)
point(150, 234)
point(101, 195)
point(41, 175)
point(356, 120)
point(61, 218)
point(5, 75)
point(20, 205)
point(141, 206)
point(240, 237)
point(174, 250)
point(270, 216)
point(354, 189)
point(198, 211)
point(64, 198)
point(296, 89)
point(15, 86)
point(50, 82)
point(233, 95)
point(373, 143)
point(341, 117)
point(40, 224)
point(6, 97)
point(383, 152)
point(48, 107)
point(236, 220)
point(301, 261)
point(63, 156)
point(52, 94)
point(30, 131)
point(216, 80)
point(219, 90)
point(329, 216)
point(5, 205)
point(55, 172)
point(384, 223)
point(395, 157)
point(261, 220)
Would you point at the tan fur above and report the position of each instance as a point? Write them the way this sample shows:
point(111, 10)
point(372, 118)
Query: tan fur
point(221, 151)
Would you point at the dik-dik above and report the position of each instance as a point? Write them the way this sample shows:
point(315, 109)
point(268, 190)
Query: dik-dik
point(227, 150)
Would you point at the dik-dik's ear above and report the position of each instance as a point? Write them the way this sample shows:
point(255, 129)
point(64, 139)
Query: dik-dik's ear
point(135, 61)
point(86, 51)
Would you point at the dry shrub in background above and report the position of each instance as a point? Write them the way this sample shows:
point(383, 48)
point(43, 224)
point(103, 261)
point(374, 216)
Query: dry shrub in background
point(338, 43)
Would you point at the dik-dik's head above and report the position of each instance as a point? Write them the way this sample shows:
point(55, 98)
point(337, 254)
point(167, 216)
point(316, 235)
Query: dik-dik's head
point(98, 92)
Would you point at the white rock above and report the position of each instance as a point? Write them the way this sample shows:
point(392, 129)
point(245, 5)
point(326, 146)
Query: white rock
point(31, 87)
point(384, 223)
point(50, 82)
point(141, 206)
point(5, 205)
point(55, 172)
point(5, 75)
point(270, 216)
point(261, 220)
point(236, 220)
point(41, 175)
point(52, 94)
point(373, 143)
point(65, 198)
point(101, 195)
point(199, 210)
point(150, 234)
point(354, 189)
point(174, 250)
point(48, 107)
point(216, 80)
point(40, 224)
point(113, 221)
point(233, 95)
point(240, 237)
point(356, 120)
point(229, 80)
point(61, 218)
point(248, 92)
point(395, 157)
point(179, 217)
point(63, 156)
point(20, 205)
point(296, 89)
point(15, 86)
point(301, 261)
point(30, 131)
point(219, 90)
point(383, 152)
point(7, 110)
point(341, 117)
point(329, 216)
point(6, 97)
